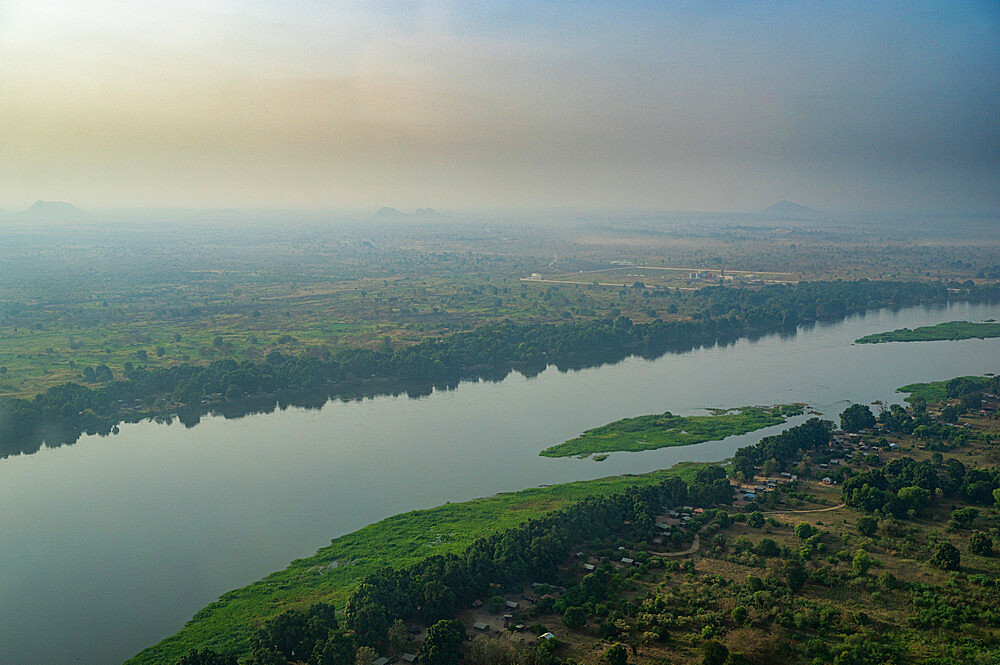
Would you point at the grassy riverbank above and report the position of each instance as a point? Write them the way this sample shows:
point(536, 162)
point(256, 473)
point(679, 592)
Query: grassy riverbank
point(332, 573)
point(666, 429)
point(937, 391)
point(952, 330)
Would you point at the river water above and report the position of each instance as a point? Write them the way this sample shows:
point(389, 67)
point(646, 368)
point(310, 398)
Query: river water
point(109, 545)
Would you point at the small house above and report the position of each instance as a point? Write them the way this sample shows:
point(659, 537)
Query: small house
point(627, 561)
point(589, 566)
point(547, 636)
point(481, 626)
point(409, 657)
point(827, 480)
point(512, 604)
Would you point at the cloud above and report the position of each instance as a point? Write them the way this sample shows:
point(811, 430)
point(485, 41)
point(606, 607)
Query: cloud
point(682, 105)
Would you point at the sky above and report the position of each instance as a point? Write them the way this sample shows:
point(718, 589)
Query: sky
point(672, 105)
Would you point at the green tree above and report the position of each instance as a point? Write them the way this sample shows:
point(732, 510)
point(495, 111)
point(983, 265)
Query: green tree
point(980, 543)
point(803, 530)
point(755, 519)
point(397, 634)
point(867, 526)
point(713, 653)
point(946, 557)
point(365, 656)
point(443, 644)
point(206, 657)
point(495, 603)
point(861, 563)
point(964, 517)
point(857, 417)
point(616, 655)
point(574, 617)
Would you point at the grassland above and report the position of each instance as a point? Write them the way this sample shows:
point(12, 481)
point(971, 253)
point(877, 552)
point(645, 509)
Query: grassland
point(666, 430)
point(332, 573)
point(934, 391)
point(952, 330)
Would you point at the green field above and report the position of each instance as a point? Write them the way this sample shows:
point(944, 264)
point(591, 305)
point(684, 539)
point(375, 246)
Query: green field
point(953, 330)
point(332, 573)
point(666, 429)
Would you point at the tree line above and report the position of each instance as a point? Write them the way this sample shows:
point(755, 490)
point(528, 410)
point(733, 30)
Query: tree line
point(62, 413)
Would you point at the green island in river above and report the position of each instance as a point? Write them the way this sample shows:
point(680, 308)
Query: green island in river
point(666, 430)
point(952, 330)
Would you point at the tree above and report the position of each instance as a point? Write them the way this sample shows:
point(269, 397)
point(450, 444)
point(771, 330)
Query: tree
point(714, 653)
point(206, 657)
point(397, 634)
point(616, 655)
point(365, 656)
point(795, 574)
point(946, 557)
point(755, 519)
point(857, 417)
point(574, 617)
point(861, 563)
point(336, 649)
point(803, 530)
point(443, 644)
point(980, 543)
point(964, 517)
point(867, 526)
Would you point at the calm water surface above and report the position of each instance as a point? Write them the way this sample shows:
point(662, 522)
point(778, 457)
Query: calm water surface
point(109, 545)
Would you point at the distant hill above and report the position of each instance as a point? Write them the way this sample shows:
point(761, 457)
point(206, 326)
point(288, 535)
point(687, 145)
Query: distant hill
point(53, 211)
point(386, 212)
point(790, 210)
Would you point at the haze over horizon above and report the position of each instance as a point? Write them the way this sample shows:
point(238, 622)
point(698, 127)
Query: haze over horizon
point(680, 106)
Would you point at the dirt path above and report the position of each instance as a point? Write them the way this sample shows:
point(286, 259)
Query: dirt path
point(815, 510)
point(695, 545)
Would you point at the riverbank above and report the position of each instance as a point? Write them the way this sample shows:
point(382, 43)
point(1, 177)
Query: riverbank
point(332, 573)
point(666, 430)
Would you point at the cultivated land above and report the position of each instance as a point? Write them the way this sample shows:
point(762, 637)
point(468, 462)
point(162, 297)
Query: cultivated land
point(666, 429)
point(952, 330)
point(334, 571)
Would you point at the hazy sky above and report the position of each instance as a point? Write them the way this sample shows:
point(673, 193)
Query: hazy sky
point(695, 105)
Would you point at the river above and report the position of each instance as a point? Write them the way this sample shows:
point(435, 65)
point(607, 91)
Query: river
point(109, 545)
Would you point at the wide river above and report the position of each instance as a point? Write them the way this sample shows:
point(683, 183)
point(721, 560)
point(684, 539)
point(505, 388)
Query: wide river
point(109, 545)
